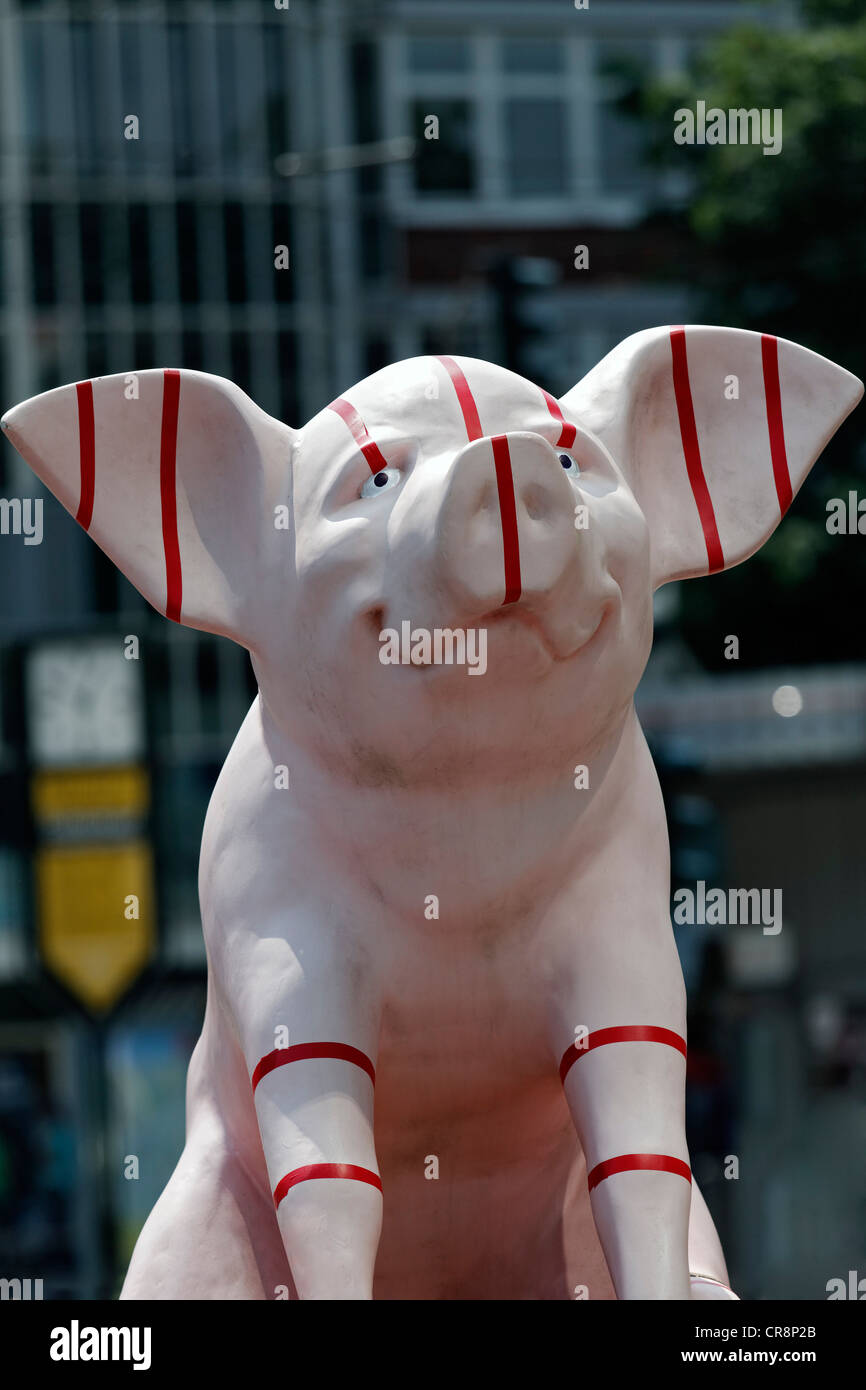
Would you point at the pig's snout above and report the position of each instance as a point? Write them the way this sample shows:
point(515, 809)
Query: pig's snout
point(506, 526)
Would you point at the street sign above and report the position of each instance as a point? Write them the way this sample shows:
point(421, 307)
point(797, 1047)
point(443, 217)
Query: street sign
point(95, 917)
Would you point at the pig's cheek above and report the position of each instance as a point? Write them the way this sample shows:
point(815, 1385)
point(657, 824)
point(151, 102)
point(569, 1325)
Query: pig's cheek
point(339, 580)
point(627, 547)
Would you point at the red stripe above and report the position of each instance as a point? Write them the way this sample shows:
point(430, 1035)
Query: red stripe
point(86, 452)
point(303, 1052)
point(465, 397)
point(324, 1170)
point(568, 433)
point(661, 1163)
point(692, 452)
point(631, 1033)
point(168, 492)
point(349, 414)
point(508, 517)
point(504, 479)
point(775, 425)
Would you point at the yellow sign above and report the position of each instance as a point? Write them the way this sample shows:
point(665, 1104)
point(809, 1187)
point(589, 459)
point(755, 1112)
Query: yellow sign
point(96, 917)
point(102, 791)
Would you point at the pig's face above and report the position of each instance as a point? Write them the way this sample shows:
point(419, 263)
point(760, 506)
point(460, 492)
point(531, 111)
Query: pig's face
point(443, 494)
point(438, 499)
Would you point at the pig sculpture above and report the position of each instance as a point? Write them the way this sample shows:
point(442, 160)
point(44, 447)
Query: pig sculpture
point(435, 864)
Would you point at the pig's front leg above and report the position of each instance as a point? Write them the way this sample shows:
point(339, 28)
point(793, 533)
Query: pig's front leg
point(619, 1023)
point(307, 1016)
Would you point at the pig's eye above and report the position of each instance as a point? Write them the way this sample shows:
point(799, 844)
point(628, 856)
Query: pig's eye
point(381, 481)
point(570, 465)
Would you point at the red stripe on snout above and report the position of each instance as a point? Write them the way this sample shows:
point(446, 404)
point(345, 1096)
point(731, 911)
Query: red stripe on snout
point(775, 425)
point(350, 416)
point(508, 516)
point(86, 452)
point(504, 479)
point(660, 1163)
point(465, 397)
point(324, 1170)
point(568, 432)
point(168, 493)
point(303, 1052)
point(692, 452)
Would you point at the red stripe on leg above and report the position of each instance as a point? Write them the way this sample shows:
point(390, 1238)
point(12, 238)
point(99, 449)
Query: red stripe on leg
point(775, 425)
point(168, 493)
point(303, 1052)
point(324, 1170)
point(630, 1033)
point(86, 452)
point(349, 415)
point(471, 418)
point(568, 433)
point(508, 517)
point(660, 1163)
point(692, 451)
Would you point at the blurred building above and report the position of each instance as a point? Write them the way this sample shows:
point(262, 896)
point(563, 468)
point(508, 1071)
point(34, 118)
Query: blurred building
point(432, 170)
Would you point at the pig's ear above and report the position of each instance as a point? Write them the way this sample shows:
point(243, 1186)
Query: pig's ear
point(715, 430)
point(176, 475)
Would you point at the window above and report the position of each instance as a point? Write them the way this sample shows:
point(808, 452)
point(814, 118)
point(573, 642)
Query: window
point(240, 358)
point(521, 118)
point(535, 146)
point(283, 280)
point(186, 253)
point(90, 231)
point(42, 253)
point(33, 83)
point(139, 253)
point(533, 55)
point(446, 164)
point(193, 350)
point(440, 54)
point(179, 53)
point(233, 230)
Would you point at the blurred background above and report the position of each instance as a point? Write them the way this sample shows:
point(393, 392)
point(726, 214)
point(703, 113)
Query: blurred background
point(431, 172)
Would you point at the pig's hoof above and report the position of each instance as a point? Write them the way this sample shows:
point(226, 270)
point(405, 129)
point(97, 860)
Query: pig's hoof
point(706, 1289)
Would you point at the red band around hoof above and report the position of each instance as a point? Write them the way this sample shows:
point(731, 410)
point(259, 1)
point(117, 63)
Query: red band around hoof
point(303, 1052)
point(660, 1163)
point(324, 1170)
point(635, 1033)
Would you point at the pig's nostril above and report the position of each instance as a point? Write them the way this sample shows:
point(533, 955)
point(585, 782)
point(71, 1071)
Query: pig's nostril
point(536, 503)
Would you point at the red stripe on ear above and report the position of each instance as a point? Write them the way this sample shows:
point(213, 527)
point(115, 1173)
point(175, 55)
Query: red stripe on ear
point(568, 434)
point(86, 453)
point(692, 452)
point(660, 1163)
point(168, 493)
point(464, 396)
point(508, 517)
point(775, 425)
point(324, 1170)
point(350, 416)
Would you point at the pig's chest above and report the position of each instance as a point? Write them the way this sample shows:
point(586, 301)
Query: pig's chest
point(463, 1030)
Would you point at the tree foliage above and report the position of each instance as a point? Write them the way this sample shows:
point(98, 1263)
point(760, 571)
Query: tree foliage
point(779, 245)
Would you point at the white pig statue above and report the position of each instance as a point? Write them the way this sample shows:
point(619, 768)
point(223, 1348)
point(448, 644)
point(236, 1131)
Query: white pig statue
point(435, 865)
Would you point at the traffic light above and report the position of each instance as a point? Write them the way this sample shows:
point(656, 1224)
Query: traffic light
point(526, 314)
